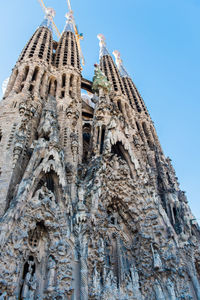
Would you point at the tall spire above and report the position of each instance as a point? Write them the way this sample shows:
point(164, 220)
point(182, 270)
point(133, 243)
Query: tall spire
point(48, 19)
point(69, 22)
point(102, 45)
point(119, 64)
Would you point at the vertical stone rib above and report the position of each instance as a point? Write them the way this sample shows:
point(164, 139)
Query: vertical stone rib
point(19, 79)
point(11, 82)
point(129, 93)
point(69, 37)
point(28, 79)
point(84, 280)
point(77, 58)
point(107, 66)
point(66, 50)
point(38, 81)
point(35, 44)
point(135, 97)
point(44, 86)
point(106, 69)
point(67, 82)
point(28, 45)
point(117, 75)
point(58, 52)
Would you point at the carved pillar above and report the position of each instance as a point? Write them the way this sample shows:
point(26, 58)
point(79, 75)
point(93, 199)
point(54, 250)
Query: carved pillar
point(37, 83)
point(83, 269)
point(74, 86)
point(158, 291)
point(44, 86)
point(18, 81)
point(124, 110)
point(170, 289)
point(195, 282)
point(28, 80)
point(67, 87)
point(79, 87)
point(135, 282)
point(52, 87)
point(59, 84)
point(11, 83)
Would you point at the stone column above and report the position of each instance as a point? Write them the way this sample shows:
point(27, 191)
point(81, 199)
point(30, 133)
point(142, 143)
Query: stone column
point(59, 83)
point(83, 269)
point(28, 79)
point(37, 83)
point(19, 79)
point(195, 282)
point(158, 291)
point(11, 83)
point(44, 86)
point(67, 84)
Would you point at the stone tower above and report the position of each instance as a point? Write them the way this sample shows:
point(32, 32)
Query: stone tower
point(90, 206)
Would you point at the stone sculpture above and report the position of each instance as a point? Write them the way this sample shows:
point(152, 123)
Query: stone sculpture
point(91, 209)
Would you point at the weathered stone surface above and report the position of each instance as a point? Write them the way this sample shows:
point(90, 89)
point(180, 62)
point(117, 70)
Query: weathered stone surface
point(90, 206)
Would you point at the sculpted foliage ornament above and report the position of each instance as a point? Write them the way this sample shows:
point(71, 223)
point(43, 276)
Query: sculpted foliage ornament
point(100, 82)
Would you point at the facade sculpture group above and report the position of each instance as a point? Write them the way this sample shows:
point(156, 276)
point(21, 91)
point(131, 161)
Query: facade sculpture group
point(90, 206)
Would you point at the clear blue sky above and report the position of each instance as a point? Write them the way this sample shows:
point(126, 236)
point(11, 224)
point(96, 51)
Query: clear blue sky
point(160, 44)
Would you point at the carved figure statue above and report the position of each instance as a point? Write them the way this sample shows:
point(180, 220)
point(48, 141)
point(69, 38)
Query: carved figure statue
point(157, 261)
point(110, 291)
point(81, 208)
point(135, 283)
point(96, 281)
point(74, 144)
point(51, 274)
point(33, 287)
point(170, 289)
point(28, 282)
point(158, 291)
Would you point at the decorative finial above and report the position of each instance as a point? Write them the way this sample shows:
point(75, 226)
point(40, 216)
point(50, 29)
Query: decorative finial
point(50, 13)
point(100, 81)
point(119, 64)
point(48, 19)
point(102, 45)
point(69, 22)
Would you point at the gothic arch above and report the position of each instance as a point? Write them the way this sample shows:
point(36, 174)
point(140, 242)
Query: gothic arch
point(52, 86)
point(51, 181)
point(119, 150)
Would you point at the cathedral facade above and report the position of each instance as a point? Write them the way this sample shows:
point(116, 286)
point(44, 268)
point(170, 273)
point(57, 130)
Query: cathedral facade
point(90, 206)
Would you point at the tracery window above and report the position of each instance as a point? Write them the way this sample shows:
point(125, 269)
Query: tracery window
point(34, 237)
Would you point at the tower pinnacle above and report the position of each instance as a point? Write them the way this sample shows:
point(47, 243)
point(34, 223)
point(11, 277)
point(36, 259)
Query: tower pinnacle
point(90, 207)
point(102, 45)
point(119, 64)
point(69, 22)
point(48, 19)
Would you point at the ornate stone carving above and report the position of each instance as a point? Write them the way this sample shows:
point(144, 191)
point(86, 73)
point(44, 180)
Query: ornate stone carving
point(109, 224)
point(100, 81)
